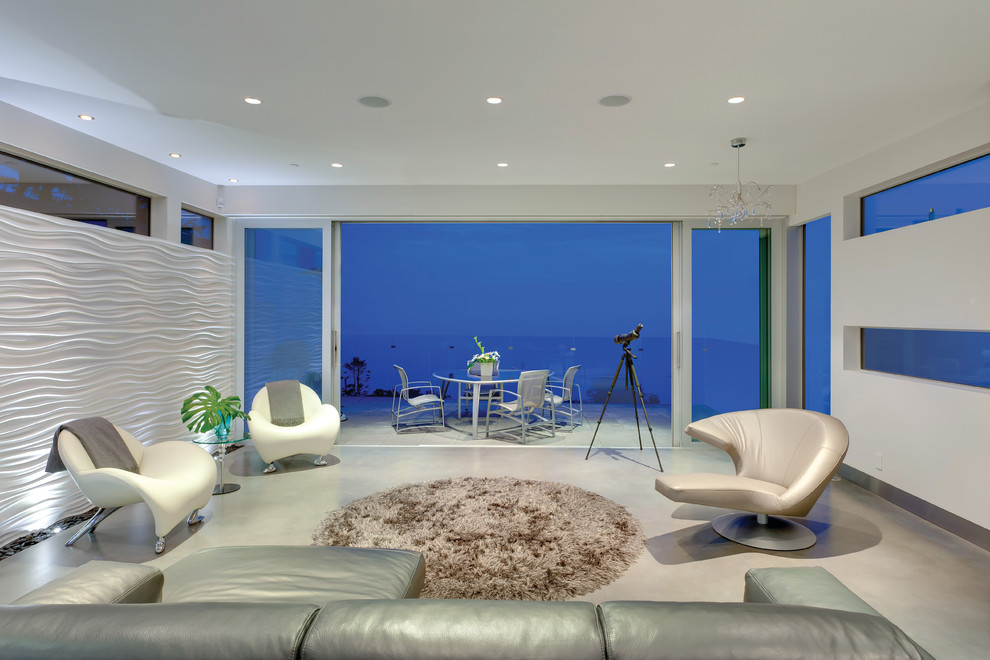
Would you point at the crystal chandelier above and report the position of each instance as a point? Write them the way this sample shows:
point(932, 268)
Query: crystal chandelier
point(745, 201)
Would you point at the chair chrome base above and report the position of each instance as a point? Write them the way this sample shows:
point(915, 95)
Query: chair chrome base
point(764, 532)
point(160, 545)
point(194, 518)
point(271, 468)
point(320, 461)
point(90, 526)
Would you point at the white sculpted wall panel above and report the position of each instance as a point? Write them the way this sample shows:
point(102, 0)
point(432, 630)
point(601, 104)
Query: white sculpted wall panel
point(97, 322)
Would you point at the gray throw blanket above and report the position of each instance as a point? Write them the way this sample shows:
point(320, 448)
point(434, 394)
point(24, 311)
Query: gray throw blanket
point(285, 403)
point(101, 441)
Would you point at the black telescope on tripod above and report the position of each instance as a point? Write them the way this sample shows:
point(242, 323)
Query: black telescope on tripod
point(631, 378)
point(629, 337)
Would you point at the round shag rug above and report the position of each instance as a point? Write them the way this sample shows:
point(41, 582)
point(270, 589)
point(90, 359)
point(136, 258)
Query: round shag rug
point(496, 538)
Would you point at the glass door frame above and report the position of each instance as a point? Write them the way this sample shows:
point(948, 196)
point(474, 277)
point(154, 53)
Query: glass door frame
point(329, 363)
point(776, 332)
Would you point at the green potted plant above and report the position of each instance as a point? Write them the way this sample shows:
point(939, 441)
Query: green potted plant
point(208, 409)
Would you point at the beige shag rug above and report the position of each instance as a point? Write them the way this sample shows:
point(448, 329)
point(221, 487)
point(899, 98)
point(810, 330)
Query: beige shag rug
point(496, 538)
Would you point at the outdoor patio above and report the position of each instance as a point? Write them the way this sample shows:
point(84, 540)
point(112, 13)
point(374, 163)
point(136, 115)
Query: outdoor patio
point(369, 423)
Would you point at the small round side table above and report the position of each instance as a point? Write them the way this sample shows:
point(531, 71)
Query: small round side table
point(222, 488)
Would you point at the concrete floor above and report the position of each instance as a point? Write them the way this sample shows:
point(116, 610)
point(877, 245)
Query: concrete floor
point(932, 584)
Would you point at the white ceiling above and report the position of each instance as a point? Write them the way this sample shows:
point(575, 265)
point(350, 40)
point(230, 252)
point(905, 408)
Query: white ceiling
point(825, 81)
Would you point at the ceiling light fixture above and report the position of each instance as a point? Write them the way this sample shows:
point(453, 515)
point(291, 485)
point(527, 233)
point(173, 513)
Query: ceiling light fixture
point(87, 117)
point(175, 155)
point(502, 164)
point(336, 165)
point(669, 164)
point(614, 101)
point(232, 180)
point(494, 100)
point(736, 205)
point(250, 100)
point(374, 101)
point(737, 99)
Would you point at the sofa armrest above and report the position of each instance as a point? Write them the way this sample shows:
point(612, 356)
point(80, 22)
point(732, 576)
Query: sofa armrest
point(802, 585)
point(107, 582)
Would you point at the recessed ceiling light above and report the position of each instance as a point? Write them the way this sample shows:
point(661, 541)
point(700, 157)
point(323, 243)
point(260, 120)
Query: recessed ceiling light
point(87, 117)
point(614, 101)
point(252, 100)
point(232, 180)
point(502, 164)
point(175, 155)
point(669, 164)
point(737, 99)
point(374, 101)
point(494, 100)
point(336, 165)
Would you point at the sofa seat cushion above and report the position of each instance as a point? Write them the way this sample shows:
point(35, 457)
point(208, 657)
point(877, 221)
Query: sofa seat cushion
point(294, 574)
point(454, 630)
point(748, 631)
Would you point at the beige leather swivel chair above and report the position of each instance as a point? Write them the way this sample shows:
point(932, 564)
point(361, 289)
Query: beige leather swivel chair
point(173, 478)
point(784, 459)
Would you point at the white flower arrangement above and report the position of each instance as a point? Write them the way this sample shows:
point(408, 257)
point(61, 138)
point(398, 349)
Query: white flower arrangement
point(484, 356)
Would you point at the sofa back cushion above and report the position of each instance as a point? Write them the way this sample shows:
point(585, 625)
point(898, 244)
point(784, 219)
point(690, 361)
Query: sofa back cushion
point(191, 631)
point(454, 629)
point(306, 574)
point(748, 631)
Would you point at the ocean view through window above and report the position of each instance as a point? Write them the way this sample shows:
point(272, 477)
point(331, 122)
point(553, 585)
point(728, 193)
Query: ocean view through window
point(544, 295)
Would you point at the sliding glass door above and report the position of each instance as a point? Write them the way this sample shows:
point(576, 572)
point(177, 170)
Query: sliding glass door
point(730, 320)
point(286, 305)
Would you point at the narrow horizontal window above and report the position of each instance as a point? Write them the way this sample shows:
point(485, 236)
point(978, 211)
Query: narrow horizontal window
point(958, 189)
point(197, 229)
point(34, 187)
point(945, 355)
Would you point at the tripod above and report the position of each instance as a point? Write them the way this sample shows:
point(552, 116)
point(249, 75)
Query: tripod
point(627, 360)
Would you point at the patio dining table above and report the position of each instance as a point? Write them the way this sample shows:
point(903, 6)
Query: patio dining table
point(462, 377)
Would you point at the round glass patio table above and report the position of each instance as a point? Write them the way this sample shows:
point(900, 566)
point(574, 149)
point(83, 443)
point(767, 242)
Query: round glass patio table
point(462, 377)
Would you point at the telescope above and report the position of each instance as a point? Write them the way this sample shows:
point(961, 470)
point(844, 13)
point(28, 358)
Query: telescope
point(629, 336)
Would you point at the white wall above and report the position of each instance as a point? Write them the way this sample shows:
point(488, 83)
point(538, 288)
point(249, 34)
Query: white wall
point(98, 322)
point(934, 437)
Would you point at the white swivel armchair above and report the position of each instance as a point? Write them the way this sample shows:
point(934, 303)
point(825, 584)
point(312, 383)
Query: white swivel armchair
point(315, 435)
point(173, 478)
point(784, 460)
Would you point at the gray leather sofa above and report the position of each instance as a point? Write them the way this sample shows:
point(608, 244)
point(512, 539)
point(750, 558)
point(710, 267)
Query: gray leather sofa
point(312, 602)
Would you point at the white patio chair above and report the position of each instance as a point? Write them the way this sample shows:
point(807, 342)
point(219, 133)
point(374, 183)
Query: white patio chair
point(410, 399)
point(564, 396)
point(528, 399)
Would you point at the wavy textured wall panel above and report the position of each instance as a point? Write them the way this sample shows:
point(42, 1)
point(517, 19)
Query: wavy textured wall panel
point(98, 322)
